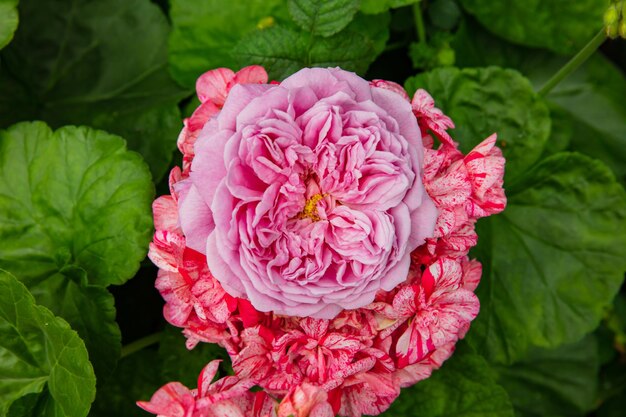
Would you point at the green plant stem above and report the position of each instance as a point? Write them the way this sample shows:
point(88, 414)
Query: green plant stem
point(419, 22)
point(574, 63)
point(140, 344)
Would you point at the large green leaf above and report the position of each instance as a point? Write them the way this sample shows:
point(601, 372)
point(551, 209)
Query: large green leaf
point(89, 309)
point(323, 17)
point(8, 21)
point(72, 198)
point(553, 260)
point(593, 97)
point(40, 352)
point(379, 6)
point(102, 64)
point(482, 101)
point(283, 51)
point(556, 382)
point(205, 33)
point(563, 26)
point(590, 101)
point(464, 386)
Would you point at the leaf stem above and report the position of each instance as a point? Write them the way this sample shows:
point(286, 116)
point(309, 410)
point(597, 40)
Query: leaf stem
point(574, 63)
point(419, 22)
point(140, 344)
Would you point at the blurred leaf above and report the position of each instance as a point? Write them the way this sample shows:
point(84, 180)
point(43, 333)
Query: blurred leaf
point(136, 378)
point(205, 33)
point(94, 63)
point(444, 14)
point(482, 101)
point(379, 6)
point(40, 354)
point(563, 26)
point(323, 17)
point(557, 382)
point(464, 386)
point(552, 260)
point(183, 365)
point(8, 21)
point(283, 51)
point(89, 309)
point(74, 197)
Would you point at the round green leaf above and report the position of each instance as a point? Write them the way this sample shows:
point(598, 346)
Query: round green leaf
point(89, 309)
point(40, 352)
point(482, 101)
point(464, 386)
point(205, 33)
point(323, 17)
point(563, 26)
point(554, 382)
point(101, 64)
point(8, 21)
point(72, 198)
point(553, 260)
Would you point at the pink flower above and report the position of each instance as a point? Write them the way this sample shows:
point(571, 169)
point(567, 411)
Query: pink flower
point(318, 236)
point(306, 197)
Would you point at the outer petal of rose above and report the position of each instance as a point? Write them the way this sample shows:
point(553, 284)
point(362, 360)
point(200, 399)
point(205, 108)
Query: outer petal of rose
point(254, 74)
point(241, 95)
point(196, 219)
point(207, 168)
point(401, 111)
point(213, 85)
point(391, 86)
point(171, 400)
point(423, 221)
point(472, 271)
point(221, 270)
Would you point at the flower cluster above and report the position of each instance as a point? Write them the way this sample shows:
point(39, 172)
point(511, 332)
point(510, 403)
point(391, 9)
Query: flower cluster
point(318, 235)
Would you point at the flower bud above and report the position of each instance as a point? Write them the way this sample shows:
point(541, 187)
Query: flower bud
point(611, 20)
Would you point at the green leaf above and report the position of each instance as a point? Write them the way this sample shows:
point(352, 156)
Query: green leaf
point(464, 386)
point(589, 102)
point(557, 382)
point(379, 6)
point(180, 364)
point(39, 350)
point(482, 101)
point(89, 309)
point(8, 21)
point(553, 260)
point(205, 33)
point(136, 377)
point(72, 198)
point(283, 51)
point(102, 64)
point(593, 97)
point(562, 26)
point(444, 14)
point(322, 17)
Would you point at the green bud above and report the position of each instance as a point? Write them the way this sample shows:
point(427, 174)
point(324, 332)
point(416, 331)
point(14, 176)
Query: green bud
point(611, 16)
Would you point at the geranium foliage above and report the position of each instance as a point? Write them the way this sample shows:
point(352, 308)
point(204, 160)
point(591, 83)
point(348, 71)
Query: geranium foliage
point(92, 100)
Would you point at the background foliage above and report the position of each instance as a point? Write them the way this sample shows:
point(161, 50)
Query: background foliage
point(75, 216)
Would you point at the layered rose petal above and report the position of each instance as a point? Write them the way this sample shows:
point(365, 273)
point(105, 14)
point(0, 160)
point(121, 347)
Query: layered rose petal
point(312, 189)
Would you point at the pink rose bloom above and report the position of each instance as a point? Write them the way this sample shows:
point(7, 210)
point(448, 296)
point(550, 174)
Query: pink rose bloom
point(306, 196)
